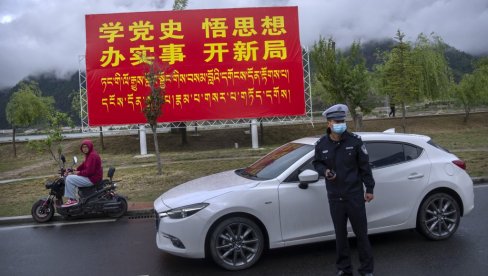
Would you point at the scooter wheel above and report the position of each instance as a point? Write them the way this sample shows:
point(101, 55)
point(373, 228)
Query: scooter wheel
point(42, 212)
point(121, 211)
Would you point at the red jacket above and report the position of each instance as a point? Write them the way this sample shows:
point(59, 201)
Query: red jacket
point(92, 166)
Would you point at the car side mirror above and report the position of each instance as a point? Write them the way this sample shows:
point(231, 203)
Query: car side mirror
point(306, 177)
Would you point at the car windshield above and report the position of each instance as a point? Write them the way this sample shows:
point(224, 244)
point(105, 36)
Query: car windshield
point(276, 162)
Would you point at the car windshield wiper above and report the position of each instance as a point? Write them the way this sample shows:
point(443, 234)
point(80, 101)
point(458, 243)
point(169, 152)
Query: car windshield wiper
point(243, 172)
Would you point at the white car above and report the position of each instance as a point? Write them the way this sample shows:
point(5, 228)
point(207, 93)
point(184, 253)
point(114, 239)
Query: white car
point(234, 215)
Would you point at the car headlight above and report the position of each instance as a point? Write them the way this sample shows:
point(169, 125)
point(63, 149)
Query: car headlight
point(183, 212)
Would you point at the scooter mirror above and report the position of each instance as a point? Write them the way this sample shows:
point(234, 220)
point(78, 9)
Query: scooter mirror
point(75, 159)
point(63, 158)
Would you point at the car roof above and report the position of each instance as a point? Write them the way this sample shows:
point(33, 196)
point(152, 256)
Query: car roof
point(375, 136)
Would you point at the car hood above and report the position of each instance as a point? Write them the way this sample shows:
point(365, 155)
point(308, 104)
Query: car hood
point(203, 189)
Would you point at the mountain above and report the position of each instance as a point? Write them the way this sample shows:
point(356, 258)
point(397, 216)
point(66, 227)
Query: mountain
point(460, 62)
point(4, 97)
point(373, 48)
point(60, 89)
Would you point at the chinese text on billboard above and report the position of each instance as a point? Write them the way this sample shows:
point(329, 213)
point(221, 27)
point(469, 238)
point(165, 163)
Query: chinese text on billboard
point(221, 64)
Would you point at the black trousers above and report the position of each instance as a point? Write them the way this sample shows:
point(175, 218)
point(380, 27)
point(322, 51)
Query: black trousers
point(354, 209)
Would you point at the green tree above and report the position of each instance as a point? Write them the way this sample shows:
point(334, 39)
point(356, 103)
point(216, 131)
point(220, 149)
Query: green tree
point(435, 74)
point(75, 113)
point(472, 90)
point(344, 77)
point(399, 74)
point(410, 74)
point(75, 106)
point(154, 103)
point(52, 144)
point(26, 107)
point(155, 100)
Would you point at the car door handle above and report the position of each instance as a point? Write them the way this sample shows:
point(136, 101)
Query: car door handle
point(415, 176)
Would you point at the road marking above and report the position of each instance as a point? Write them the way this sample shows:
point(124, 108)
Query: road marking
point(484, 185)
point(57, 224)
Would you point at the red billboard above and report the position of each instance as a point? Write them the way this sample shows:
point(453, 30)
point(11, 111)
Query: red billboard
point(222, 64)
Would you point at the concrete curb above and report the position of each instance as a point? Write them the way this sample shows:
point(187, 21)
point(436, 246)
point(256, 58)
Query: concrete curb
point(5, 221)
point(479, 180)
point(15, 220)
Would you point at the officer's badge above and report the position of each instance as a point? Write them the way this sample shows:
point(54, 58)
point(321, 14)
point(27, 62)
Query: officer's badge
point(363, 148)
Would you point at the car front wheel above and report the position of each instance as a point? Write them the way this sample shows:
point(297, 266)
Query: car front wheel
point(236, 243)
point(439, 216)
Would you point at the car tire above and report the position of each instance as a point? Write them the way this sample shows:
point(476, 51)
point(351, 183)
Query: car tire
point(438, 217)
point(236, 243)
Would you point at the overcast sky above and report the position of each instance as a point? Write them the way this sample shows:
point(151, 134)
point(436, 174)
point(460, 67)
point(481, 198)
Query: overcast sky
point(49, 35)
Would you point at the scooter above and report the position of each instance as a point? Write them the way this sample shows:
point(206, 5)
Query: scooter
point(99, 199)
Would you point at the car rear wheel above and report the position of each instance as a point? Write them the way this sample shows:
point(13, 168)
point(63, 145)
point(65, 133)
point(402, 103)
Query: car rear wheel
point(438, 217)
point(236, 243)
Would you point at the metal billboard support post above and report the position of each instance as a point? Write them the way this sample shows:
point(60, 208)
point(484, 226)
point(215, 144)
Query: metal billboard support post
point(254, 133)
point(83, 96)
point(142, 139)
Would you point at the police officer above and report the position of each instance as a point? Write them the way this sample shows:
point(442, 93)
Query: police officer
point(342, 158)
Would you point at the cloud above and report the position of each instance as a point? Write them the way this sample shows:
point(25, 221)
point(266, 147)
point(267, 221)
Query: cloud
point(49, 35)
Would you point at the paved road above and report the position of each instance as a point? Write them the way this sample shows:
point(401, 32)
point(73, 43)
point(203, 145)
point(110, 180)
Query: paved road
point(127, 247)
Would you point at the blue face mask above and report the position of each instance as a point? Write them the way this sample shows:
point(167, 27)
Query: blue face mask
point(339, 128)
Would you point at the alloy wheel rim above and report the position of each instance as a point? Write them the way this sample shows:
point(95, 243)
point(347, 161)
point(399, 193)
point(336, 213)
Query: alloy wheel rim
point(441, 217)
point(237, 244)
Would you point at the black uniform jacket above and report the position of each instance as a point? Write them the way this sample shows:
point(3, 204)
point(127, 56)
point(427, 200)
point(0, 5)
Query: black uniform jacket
point(349, 159)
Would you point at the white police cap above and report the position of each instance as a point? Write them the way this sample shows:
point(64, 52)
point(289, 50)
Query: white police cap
point(336, 112)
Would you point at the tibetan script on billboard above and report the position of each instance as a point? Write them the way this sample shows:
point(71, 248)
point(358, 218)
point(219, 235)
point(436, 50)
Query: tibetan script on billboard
point(221, 64)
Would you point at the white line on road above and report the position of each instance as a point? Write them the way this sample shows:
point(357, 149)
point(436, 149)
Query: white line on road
point(57, 224)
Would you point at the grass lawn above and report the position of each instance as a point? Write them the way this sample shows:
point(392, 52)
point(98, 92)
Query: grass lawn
point(210, 152)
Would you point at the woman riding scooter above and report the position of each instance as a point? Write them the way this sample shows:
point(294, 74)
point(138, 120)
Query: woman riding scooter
point(86, 174)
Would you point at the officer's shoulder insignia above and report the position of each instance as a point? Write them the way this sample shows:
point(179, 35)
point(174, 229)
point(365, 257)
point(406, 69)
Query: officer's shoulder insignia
point(320, 139)
point(357, 136)
point(354, 136)
point(363, 148)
